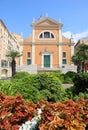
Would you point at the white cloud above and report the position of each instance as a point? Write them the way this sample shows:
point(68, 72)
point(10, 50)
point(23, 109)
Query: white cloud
point(76, 36)
point(67, 34)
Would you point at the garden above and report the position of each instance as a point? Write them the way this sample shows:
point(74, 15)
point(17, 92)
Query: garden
point(25, 94)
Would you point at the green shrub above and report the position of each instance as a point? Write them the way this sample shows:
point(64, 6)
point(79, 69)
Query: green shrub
point(75, 97)
point(69, 93)
point(6, 87)
point(58, 74)
point(80, 96)
point(68, 80)
point(20, 75)
point(70, 74)
point(80, 83)
point(49, 85)
point(46, 86)
point(34, 87)
point(68, 77)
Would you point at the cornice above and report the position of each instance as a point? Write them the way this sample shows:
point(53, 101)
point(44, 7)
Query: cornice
point(49, 43)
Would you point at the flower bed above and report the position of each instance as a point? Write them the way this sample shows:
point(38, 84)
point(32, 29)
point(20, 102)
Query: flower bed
point(14, 111)
point(66, 115)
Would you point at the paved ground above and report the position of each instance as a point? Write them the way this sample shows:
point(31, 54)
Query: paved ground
point(67, 85)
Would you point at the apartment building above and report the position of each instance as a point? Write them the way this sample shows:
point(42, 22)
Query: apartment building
point(19, 47)
point(46, 47)
point(82, 41)
point(8, 41)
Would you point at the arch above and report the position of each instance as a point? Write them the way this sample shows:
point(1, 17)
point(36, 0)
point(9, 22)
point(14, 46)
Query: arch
point(4, 73)
point(46, 35)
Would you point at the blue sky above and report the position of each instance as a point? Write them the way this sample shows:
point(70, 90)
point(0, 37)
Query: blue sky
point(18, 14)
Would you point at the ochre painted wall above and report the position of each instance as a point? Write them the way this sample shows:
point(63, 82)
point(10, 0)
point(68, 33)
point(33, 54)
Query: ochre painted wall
point(26, 48)
point(66, 48)
point(51, 49)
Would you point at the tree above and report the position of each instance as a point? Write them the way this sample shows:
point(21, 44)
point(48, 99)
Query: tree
point(83, 50)
point(77, 61)
point(80, 58)
point(13, 54)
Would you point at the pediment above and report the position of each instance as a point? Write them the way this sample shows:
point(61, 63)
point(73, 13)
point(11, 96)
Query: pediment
point(46, 22)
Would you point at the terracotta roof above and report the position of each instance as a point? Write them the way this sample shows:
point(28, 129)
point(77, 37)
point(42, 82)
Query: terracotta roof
point(28, 40)
point(64, 39)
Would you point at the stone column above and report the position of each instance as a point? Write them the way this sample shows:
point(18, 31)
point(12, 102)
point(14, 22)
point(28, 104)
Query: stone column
point(60, 35)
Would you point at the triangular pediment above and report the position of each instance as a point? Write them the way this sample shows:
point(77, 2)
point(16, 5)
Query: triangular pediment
point(46, 22)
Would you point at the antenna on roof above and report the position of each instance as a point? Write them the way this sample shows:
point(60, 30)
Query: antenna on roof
point(72, 38)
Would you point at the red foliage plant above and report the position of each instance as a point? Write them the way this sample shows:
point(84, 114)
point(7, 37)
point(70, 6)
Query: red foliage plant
point(14, 111)
point(66, 115)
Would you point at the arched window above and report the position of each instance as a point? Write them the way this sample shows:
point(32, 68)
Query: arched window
point(46, 35)
point(41, 35)
point(52, 36)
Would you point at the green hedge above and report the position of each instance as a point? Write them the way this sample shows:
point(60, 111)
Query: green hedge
point(34, 86)
point(46, 86)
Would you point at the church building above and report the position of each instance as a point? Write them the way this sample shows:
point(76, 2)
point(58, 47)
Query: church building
point(46, 47)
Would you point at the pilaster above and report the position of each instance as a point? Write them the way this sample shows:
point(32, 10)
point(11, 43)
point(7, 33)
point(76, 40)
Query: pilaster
point(33, 46)
point(72, 51)
point(60, 36)
point(60, 47)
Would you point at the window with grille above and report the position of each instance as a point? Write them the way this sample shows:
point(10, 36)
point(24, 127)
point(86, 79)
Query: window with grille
point(4, 63)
